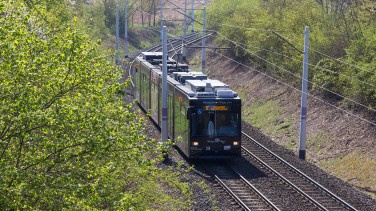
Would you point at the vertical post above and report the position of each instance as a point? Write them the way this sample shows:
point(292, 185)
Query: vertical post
point(161, 13)
point(126, 27)
point(161, 18)
point(164, 86)
point(117, 34)
point(193, 15)
point(204, 41)
point(183, 48)
point(303, 112)
point(185, 18)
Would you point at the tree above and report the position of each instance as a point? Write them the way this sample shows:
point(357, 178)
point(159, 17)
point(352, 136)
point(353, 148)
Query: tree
point(344, 30)
point(66, 137)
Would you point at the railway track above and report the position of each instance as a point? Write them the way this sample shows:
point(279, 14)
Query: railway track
point(309, 193)
point(173, 46)
point(239, 188)
point(313, 192)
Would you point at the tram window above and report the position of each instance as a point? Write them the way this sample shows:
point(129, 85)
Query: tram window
point(215, 124)
point(227, 124)
point(199, 124)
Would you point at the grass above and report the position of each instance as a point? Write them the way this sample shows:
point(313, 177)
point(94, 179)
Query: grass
point(266, 116)
point(318, 145)
point(195, 64)
point(262, 115)
point(355, 168)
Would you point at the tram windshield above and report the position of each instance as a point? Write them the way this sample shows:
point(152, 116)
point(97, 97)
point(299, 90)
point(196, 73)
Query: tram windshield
point(215, 123)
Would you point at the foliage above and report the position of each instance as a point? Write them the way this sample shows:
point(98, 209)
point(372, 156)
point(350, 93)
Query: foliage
point(67, 140)
point(264, 30)
point(327, 76)
point(362, 53)
point(97, 18)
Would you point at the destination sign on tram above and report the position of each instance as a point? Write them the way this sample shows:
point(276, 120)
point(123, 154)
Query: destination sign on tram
point(216, 108)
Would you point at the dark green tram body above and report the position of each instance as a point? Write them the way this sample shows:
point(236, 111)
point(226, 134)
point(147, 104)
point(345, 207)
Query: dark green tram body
point(204, 116)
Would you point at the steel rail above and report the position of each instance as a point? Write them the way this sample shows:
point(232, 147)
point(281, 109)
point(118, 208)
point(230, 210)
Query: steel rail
point(257, 191)
point(256, 194)
point(232, 194)
point(338, 199)
point(285, 180)
point(193, 41)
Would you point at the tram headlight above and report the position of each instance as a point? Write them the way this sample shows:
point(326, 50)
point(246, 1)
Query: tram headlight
point(195, 143)
point(235, 143)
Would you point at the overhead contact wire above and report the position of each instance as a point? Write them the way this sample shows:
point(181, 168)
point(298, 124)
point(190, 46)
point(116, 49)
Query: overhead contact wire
point(310, 64)
point(298, 76)
point(310, 95)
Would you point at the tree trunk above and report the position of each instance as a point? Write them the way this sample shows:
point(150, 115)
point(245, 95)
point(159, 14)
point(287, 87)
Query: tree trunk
point(142, 19)
point(132, 20)
point(154, 11)
point(149, 13)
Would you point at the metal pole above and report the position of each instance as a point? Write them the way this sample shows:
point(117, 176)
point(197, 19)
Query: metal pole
point(303, 113)
point(183, 49)
point(164, 86)
point(161, 18)
point(117, 34)
point(185, 18)
point(193, 15)
point(204, 41)
point(161, 13)
point(126, 27)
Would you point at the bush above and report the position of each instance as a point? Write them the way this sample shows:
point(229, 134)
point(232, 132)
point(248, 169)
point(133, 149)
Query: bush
point(67, 140)
point(344, 31)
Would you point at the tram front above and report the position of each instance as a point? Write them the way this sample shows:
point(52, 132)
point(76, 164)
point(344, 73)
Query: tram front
point(215, 128)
